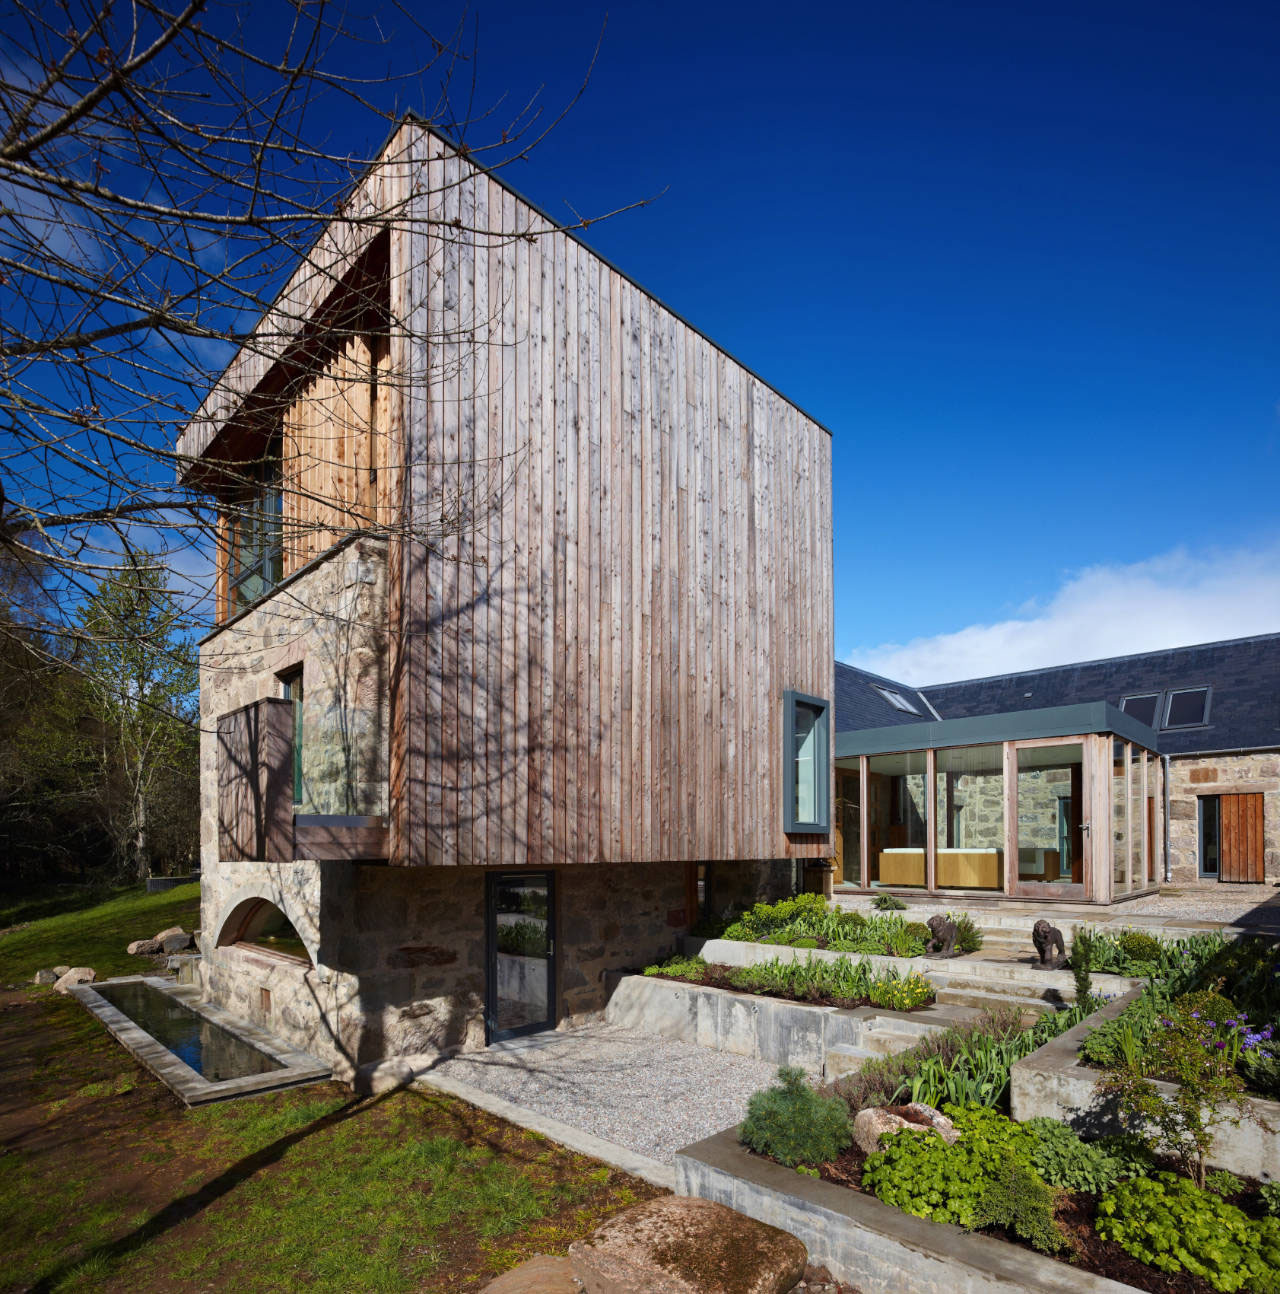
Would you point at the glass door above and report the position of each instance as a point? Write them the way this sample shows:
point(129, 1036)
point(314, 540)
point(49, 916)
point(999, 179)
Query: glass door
point(1051, 824)
point(520, 951)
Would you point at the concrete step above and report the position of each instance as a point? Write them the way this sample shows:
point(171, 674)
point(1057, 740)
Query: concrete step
point(888, 1042)
point(1022, 990)
point(1029, 1006)
point(842, 1059)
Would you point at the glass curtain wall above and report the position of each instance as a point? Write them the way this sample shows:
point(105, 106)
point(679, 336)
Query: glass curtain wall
point(1137, 819)
point(897, 819)
point(1051, 815)
point(848, 828)
point(969, 809)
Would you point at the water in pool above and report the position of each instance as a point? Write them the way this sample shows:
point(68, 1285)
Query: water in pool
point(208, 1048)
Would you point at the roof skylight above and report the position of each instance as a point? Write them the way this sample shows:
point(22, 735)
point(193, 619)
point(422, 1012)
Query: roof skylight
point(896, 699)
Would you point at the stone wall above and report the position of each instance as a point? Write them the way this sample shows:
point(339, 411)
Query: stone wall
point(1193, 776)
point(399, 952)
point(331, 621)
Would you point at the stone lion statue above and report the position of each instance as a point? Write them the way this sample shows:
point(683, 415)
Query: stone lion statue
point(1049, 947)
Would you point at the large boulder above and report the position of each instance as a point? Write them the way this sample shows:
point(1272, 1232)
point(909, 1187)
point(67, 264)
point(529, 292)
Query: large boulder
point(870, 1124)
point(175, 943)
point(144, 947)
point(681, 1245)
point(45, 976)
point(171, 930)
point(61, 970)
point(540, 1275)
point(75, 975)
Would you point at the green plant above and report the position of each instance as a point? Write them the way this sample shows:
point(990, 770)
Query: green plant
point(888, 903)
point(794, 1124)
point(1082, 963)
point(523, 938)
point(1017, 1198)
point(901, 994)
point(691, 968)
point(918, 930)
point(1139, 946)
point(1261, 1072)
point(1166, 1222)
point(968, 936)
point(1064, 1160)
point(1131, 1154)
point(1269, 1194)
point(1223, 1183)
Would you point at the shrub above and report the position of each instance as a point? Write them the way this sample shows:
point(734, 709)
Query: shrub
point(901, 994)
point(793, 1124)
point(1140, 947)
point(888, 903)
point(1260, 1070)
point(693, 968)
point(985, 1179)
point(1166, 1222)
point(1133, 1157)
point(1223, 1183)
point(1017, 1198)
point(1269, 1194)
point(1082, 963)
point(1062, 1159)
point(968, 936)
point(918, 930)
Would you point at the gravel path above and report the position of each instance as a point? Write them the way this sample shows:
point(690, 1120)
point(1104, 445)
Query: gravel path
point(1246, 904)
point(650, 1094)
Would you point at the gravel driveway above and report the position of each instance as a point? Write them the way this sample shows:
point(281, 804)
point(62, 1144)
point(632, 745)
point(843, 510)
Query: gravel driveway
point(650, 1094)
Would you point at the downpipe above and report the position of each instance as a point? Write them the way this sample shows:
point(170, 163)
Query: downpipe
point(1168, 858)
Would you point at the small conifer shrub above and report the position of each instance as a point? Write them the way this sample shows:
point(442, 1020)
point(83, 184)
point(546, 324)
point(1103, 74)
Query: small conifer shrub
point(793, 1124)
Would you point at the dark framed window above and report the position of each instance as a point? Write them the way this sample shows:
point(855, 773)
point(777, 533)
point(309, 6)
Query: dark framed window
point(291, 690)
point(896, 699)
point(1188, 707)
point(255, 550)
point(1145, 707)
point(1208, 811)
point(806, 763)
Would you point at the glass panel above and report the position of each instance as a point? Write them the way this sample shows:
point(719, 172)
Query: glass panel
point(848, 828)
point(1209, 835)
point(1051, 815)
point(806, 762)
point(969, 804)
point(1142, 708)
point(1187, 708)
point(1155, 821)
point(1119, 817)
point(897, 792)
point(1137, 818)
point(520, 935)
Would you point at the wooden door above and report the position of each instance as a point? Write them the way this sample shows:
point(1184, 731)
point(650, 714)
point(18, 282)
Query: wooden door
point(1241, 837)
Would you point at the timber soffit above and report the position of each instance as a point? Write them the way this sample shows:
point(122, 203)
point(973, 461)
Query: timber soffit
point(225, 411)
point(1017, 725)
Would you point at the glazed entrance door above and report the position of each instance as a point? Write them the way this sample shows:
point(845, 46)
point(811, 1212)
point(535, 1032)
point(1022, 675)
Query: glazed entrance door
point(520, 947)
point(1050, 820)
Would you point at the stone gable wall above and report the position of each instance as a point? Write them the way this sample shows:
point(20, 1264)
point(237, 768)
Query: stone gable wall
point(1191, 777)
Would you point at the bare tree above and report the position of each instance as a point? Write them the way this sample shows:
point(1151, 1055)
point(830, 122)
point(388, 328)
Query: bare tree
point(163, 168)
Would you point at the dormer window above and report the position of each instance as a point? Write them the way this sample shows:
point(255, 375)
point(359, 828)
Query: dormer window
point(896, 699)
point(1188, 708)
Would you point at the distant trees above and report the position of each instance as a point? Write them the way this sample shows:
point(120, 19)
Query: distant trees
point(99, 744)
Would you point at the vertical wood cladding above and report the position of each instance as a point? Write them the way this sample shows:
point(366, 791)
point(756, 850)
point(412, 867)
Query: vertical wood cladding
point(634, 557)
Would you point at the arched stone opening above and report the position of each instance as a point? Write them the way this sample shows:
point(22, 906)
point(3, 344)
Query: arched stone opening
point(259, 923)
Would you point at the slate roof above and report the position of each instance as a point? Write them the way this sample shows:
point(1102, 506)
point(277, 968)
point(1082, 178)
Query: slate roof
point(1244, 709)
point(859, 705)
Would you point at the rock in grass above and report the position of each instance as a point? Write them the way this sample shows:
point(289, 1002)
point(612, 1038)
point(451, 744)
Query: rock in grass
point(75, 975)
point(45, 976)
point(680, 1245)
point(171, 930)
point(61, 970)
point(144, 947)
point(178, 943)
point(540, 1275)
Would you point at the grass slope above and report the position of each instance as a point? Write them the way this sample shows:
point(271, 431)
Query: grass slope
point(97, 936)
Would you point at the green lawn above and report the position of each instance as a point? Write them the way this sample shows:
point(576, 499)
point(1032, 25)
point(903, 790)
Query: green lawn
point(107, 1184)
point(98, 935)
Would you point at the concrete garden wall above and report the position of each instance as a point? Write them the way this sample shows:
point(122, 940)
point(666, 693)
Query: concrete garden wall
point(1054, 1083)
point(858, 1239)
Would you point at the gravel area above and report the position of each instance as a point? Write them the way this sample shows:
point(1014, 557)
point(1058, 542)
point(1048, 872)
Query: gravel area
point(650, 1094)
point(1232, 904)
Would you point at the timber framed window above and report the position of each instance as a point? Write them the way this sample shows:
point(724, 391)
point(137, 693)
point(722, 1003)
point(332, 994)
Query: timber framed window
point(806, 763)
point(255, 550)
point(291, 690)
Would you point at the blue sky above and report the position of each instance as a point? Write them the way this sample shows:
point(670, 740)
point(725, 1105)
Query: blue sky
point(1022, 260)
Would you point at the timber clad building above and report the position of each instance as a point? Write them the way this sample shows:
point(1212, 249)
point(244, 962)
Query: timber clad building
point(524, 656)
point(525, 629)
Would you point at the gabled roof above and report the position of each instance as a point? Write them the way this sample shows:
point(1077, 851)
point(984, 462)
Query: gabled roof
point(860, 701)
point(1242, 673)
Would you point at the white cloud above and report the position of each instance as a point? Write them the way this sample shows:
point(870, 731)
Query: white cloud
point(1171, 600)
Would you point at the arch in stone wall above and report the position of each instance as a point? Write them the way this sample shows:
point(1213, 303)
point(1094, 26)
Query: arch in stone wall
point(251, 909)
